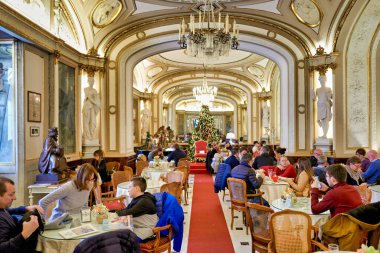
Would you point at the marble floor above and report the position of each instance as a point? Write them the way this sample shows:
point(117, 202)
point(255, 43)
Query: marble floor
point(241, 241)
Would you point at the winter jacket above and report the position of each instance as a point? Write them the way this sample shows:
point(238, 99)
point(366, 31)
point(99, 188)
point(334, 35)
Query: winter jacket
point(245, 172)
point(143, 204)
point(119, 241)
point(218, 183)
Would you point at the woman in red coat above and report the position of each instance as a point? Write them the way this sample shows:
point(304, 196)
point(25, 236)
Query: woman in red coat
point(285, 169)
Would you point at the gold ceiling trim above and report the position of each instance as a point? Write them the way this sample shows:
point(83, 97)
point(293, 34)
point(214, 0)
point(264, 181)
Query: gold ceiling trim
point(68, 18)
point(129, 31)
point(342, 22)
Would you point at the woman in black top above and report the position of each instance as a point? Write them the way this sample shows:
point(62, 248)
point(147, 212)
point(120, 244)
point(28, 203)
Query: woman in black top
point(354, 171)
point(100, 165)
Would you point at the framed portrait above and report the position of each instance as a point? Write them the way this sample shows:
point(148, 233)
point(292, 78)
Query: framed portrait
point(34, 131)
point(34, 107)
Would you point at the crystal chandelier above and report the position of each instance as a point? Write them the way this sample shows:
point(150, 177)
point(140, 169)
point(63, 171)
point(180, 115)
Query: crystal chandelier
point(205, 94)
point(208, 38)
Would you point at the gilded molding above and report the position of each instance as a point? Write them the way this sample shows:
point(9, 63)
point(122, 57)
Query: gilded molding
point(322, 61)
point(341, 23)
point(90, 69)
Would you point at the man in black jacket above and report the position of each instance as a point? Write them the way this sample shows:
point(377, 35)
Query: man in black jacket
point(13, 238)
point(264, 159)
point(142, 208)
point(176, 154)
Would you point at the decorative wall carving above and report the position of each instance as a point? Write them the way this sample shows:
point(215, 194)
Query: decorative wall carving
point(105, 12)
point(357, 88)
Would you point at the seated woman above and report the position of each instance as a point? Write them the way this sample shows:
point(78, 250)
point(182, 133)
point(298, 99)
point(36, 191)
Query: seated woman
point(73, 195)
point(278, 152)
point(156, 152)
point(301, 184)
point(284, 168)
point(216, 160)
point(99, 164)
point(354, 172)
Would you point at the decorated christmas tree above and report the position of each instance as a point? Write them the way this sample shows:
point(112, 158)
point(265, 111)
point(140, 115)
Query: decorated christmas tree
point(204, 130)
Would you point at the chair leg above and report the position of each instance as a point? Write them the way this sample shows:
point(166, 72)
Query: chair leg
point(184, 193)
point(224, 194)
point(232, 218)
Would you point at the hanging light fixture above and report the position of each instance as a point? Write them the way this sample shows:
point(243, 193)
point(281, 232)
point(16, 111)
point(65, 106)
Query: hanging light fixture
point(205, 94)
point(208, 39)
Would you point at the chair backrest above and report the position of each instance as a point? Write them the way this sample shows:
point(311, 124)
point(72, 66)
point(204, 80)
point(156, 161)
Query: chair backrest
point(365, 194)
point(141, 157)
point(140, 166)
point(129, 170)
point(120, 177)
point(290, 231)
point(200, 145)
point(113, 166)
point(259, 221)
point(174, 188)
point(238, 191)
point(185, 172)
point(119, 241)
point(185, 163)
point(175, 176)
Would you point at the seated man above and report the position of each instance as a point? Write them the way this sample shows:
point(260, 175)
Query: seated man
point(244, 171)
point(373, 172)
point(233, 159)
point(142, 208)
point(155, 152)
point(14, 238)
point(264, 159)
point(341, 198)
point(176, 154)
point(320, 170)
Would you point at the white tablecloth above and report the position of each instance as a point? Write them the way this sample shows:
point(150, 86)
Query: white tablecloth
point(273, 190)
point(303, 205)
point(375, 193)
point(152, 187)
point(52, 242)
point(160, 164)
point(155, 173)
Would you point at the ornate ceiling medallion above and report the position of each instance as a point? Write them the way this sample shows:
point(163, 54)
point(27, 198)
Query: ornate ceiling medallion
point(105, 12)
point(307, 12)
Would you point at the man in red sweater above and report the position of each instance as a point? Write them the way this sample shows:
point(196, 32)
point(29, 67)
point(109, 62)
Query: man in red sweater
point(341, 198)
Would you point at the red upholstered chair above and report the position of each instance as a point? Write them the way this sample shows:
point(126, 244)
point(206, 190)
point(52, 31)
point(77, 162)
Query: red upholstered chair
point(200, 149)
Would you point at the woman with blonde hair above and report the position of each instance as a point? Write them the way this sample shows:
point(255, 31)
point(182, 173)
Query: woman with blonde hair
point(301, 184)
point(73, 195)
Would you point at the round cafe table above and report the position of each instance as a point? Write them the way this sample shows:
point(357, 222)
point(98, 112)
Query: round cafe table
point(155, 173)
point(51, 241)
point(303, 205)
point(375, 193)
point(152, 187)
point(273, 190)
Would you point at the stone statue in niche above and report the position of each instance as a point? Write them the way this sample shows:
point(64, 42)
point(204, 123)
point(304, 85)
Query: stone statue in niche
point(146, 114)
point(52, 162)
point(91, 108)
point(324, 105)
point(266, 115)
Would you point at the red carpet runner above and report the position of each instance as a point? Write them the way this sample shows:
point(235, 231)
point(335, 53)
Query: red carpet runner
point(198, 168)
point(208, 228)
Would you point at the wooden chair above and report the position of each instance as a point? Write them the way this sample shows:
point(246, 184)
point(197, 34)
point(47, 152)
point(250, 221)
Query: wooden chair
point(120, 177)
point(140, 166)
point(291, 232)
point(238, 196)
point(184, 159)
point(365, 194)
point(159, 243)
point(174, 188)
point(128, 169)
point(186, 163)
point(112, 166)
point(259, 226)
point(174, 176)
point(184, 183)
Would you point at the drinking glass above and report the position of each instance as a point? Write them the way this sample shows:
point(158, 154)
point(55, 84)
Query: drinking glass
point(270, 172)
point(274, 177)
point(333, 247)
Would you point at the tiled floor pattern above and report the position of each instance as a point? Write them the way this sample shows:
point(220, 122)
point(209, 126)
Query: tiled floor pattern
point(241, 241)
